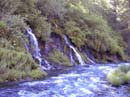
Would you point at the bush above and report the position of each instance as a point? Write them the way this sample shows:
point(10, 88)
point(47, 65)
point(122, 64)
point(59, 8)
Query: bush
point(3, 29)
point(34, 19)
point(2, 24)
point(40, 26)
point(15, 31)
point(74, 32)
point(8, 7)
point(52, 7)
point(37, 73)
point(59, 58)
point(15, 23)
point(26, 8)
point(17, 65)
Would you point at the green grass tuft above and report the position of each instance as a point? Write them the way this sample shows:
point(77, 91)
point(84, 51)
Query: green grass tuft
point(17, 65)
point(58, 57)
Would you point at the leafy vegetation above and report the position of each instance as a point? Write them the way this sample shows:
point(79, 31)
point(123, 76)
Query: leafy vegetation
point(94, 31)
point(17, 65)
point(58, 57)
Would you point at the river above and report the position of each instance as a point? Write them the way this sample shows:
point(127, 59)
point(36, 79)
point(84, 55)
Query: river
point(77, 81)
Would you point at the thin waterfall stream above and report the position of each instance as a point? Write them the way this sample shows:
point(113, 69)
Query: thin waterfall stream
point(35, 50)
point(76, 53)
point(81, 61)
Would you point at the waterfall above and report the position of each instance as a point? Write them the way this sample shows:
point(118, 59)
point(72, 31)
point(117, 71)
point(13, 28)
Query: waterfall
point(71, 57)
point(91, 60)
point(74, 50)
point(35, 51)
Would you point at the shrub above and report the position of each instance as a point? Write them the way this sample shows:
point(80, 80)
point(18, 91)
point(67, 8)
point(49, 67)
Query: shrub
point(13, 75)
point(2, 24)
point(59, 58)
point(40, 26)
point(15, 23)
point(15, 31)
point(26, 8)
point(34, 19)
point(3, 29)
point(74, 32)
point(4, 43)
point(37, 73)
point(52, 7)
point(8, 7)
point(17, 65)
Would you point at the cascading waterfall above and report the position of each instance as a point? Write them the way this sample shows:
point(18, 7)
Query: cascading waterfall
point(76, 53)
point(74, 50)
point(71, 57)
point(33, 41)
point(91, 60)
point(35, 51)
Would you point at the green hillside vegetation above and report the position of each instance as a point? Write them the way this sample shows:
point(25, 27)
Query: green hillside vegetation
point(58, 57)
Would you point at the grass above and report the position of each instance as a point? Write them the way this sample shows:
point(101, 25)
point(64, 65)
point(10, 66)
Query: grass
point(58, 57)
point(18, 65)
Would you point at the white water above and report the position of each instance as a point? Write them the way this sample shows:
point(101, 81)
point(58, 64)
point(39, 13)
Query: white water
point(91, 60)
point(78, 81)
point(36, 51)
point(71, 57)
point(76, 53)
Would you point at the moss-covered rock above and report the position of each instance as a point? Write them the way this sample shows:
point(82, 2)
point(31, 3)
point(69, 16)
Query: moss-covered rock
point(116, 77)
point(124, 68)
point(119, 75)
point(127, 77)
